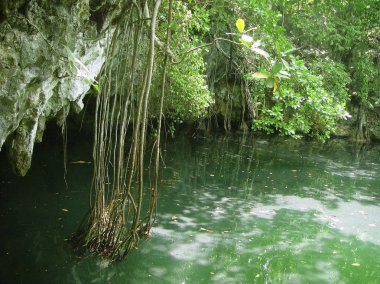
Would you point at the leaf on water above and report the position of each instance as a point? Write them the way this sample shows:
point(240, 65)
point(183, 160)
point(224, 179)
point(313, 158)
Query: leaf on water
point(174, 218)
point(65, 210)
point(81, 162)
point(355, 264)
point(240, 24)
point(207, 230)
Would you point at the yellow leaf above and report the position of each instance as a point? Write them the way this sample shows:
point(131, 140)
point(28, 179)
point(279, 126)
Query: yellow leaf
point(275, 85)
point(240, 25)
point(81, 162)
point(355, 264)
point(260, 75)
point(65, 210)
point(207, 230)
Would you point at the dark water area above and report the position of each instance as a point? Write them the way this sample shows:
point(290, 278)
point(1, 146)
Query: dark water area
point(231, 209)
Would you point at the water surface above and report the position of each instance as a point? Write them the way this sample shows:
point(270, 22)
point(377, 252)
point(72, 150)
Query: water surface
point(232, 209)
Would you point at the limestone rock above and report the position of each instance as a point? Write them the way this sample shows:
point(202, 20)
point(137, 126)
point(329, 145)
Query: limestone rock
point(38, 80)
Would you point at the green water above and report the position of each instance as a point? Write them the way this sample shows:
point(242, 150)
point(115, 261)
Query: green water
point(231, 210)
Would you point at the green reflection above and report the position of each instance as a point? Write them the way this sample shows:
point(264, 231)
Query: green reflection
point(231, 210)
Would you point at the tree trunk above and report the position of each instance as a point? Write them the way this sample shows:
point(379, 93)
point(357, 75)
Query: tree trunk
point(361, 134)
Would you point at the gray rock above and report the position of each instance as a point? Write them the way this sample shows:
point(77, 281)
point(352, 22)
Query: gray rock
point(38, 80)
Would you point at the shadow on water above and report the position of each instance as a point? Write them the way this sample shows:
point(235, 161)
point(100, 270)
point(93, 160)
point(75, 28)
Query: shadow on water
point(231, 210)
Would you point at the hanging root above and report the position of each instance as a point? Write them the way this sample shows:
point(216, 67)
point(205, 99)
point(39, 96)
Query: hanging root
point(114, 225)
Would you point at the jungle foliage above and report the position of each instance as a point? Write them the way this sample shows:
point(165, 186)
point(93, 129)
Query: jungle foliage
point(317, 62)
point(284, 67)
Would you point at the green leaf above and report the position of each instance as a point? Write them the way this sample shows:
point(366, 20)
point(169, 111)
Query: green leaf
point(246, 40)
point(270, 83)
point(283, 74)
point(260, 75)
point(70, 53)
point(240, 25)
point(286, 64)
point(174, 27)
point(96, 87)
point(276, 68)
point(246, 44)
point(289, 51)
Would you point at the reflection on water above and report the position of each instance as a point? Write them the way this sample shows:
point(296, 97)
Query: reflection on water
point(231, 210)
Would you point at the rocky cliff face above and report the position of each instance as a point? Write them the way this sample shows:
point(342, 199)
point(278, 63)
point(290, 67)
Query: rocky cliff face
point(43, 44)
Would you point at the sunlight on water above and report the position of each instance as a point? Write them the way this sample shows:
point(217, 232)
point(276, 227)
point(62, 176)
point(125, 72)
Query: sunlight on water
point(231, 210)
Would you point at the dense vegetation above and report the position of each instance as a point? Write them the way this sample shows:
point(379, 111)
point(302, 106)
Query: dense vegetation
point(317, 64)
point(281, 67)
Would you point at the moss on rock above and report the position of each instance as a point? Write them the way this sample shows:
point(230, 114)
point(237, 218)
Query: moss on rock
point(37, 79)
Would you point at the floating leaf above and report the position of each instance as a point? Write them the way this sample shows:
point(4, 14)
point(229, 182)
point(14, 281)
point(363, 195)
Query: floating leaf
point(81, 162)
point(260, 75)
point(65, 210)
point(174, 218)
point(355, 264)
point(207, 230)
point(240, 25)
point(260, 51)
